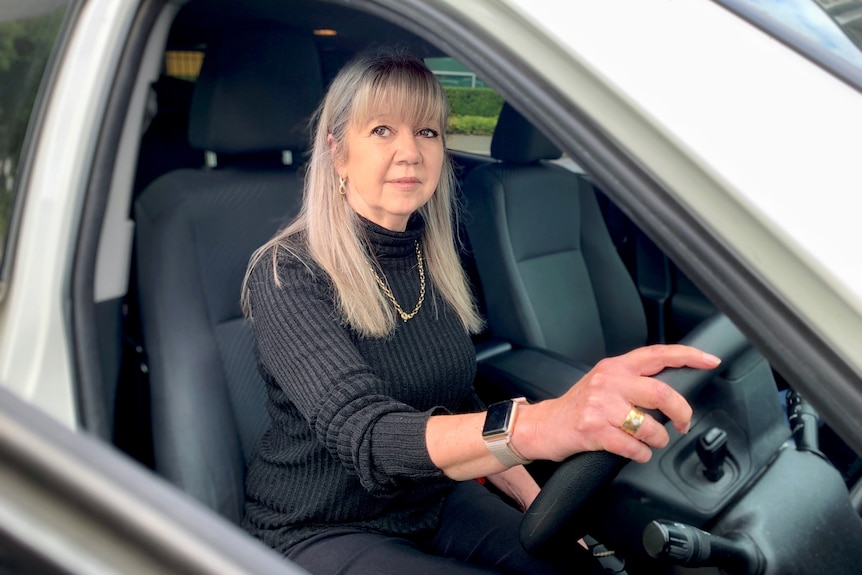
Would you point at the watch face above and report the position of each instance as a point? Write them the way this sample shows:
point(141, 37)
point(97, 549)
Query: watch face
point(497, 419)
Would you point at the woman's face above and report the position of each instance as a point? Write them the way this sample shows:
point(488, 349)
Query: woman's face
point(392, 168)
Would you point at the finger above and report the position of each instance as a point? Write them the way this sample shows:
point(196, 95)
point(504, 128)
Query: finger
point(649, 431)
point(625, 445)
point(651, 393)
point(636, 444)
point(652, 359)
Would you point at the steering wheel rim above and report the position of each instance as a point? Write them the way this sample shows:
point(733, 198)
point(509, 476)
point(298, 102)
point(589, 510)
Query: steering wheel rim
point(559, 507)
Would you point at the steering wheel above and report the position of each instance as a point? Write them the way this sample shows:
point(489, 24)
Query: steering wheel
point(561, 506)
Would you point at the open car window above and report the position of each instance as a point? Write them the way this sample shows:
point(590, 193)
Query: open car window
point(474, 106)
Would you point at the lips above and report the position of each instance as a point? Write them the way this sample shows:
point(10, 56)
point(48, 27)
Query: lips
point(405, 184)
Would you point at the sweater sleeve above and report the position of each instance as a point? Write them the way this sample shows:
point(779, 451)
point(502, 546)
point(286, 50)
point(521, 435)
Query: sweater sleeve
point(305, 347)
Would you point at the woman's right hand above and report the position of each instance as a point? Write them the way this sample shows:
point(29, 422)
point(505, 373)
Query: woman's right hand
point(590, 416)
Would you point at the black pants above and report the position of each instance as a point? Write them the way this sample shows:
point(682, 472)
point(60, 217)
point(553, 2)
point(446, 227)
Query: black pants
point(478, 533)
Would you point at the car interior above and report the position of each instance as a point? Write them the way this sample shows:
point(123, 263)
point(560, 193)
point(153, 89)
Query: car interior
point(214, 166)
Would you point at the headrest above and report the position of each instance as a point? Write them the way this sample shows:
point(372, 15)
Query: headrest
point(256, 93)
point(516, 140)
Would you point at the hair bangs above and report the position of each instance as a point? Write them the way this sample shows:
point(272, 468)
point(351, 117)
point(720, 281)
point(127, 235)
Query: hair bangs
point(405, 92)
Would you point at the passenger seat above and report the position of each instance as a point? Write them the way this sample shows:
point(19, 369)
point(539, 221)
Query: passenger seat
point(555, 288)
point(196, 229)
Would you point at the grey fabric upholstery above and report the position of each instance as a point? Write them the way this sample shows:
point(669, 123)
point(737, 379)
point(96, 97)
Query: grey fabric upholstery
point(517, 142)
point(550, 274)
point(256, 93)
point(196, 229)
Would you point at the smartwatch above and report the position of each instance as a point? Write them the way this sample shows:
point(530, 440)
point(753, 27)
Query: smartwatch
point(497, 432)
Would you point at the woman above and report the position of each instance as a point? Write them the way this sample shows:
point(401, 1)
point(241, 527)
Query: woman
point(362, 316)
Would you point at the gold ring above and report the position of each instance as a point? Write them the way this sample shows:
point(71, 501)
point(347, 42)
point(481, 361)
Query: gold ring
point(634, 419)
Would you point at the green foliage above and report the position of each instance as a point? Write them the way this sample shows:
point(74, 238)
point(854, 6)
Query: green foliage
point(24, 49)
point(471, 125)
point(473, 111)
point(474, 101)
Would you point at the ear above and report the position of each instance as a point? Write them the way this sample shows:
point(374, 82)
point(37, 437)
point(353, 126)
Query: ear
point(335, 153)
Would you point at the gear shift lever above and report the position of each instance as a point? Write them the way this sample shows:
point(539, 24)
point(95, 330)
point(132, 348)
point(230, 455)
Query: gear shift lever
point(712, 450)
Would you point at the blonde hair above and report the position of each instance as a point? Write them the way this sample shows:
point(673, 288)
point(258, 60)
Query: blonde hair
point(333, 231)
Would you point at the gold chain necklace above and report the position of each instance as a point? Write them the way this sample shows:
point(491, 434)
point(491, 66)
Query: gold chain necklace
point(404, 315)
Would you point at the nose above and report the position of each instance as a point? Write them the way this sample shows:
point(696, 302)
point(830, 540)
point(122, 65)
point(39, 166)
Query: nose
point(407, 150)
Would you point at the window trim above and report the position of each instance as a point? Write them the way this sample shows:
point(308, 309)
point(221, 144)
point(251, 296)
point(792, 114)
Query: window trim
point(29, 144)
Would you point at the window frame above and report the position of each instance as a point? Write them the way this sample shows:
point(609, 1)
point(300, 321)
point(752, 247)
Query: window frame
point(25, 153)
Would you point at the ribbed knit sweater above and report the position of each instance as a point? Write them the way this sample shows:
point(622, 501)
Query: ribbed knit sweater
point(346, 446)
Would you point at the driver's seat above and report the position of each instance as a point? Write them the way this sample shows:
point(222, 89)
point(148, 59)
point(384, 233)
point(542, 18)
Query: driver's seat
point(196, 229)
point(550, 274)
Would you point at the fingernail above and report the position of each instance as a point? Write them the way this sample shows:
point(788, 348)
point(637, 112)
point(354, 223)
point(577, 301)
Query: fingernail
point(687, 428)
point(714, 360)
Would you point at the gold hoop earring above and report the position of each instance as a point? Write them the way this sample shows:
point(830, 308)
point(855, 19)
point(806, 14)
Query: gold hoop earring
point(341, 183)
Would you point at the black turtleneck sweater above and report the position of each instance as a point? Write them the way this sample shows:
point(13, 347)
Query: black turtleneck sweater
point(346, 447)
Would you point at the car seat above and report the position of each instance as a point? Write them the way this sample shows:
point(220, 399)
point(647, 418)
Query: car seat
point(165, 144)
point(551, 277)
point(196, 229)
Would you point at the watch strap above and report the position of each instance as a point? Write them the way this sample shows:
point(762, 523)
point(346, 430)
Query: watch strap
point(504, 452)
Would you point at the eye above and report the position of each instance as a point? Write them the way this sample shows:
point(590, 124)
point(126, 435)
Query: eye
point(427, 133)
point(381, 131)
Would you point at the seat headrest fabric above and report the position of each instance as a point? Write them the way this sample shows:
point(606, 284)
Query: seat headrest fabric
point(517, 140)
point(256, 93)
